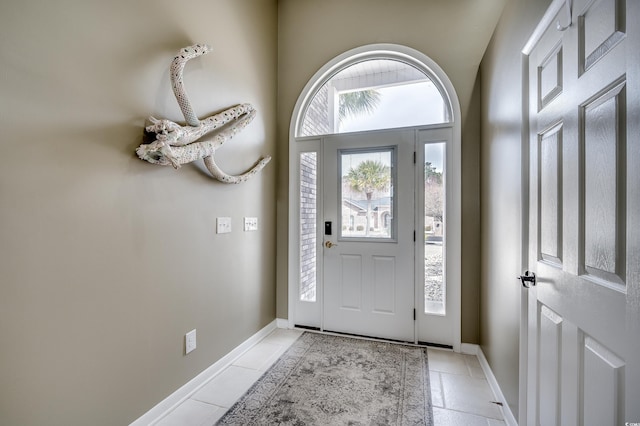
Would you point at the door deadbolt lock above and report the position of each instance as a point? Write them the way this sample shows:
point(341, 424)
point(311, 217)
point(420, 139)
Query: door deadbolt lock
point(528, 279)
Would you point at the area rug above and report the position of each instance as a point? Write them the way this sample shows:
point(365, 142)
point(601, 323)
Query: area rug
point(332, 380)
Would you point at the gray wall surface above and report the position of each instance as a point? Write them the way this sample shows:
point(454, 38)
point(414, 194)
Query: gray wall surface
point(501, 239)
point(106, 260)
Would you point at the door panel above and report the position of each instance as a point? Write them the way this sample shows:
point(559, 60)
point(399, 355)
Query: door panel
point(603, 375)
point(550, 194)
point(603, 126)
point(349, 285)
point(550, 360)
point(369, 255)
point(583, 359)
point(384, 284)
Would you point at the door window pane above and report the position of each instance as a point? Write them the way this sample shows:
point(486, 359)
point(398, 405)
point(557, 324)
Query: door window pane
point(434, 200)
point(366, 193)
point(308, 220)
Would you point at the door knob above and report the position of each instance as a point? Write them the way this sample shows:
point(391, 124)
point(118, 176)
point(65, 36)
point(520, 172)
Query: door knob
point(329, 244)
point(528, 279)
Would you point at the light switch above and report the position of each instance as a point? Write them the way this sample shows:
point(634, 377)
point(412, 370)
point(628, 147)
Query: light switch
point(250, 223)
point(223, 225)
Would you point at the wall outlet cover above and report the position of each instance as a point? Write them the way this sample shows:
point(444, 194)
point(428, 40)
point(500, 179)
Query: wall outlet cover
point(189, 341)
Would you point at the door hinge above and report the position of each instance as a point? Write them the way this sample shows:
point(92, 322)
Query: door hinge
point(414, 314)
point(414, 157)
point(414, 236)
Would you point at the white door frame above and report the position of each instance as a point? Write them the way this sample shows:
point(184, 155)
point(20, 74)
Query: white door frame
point(454, 185)
point(546, 20)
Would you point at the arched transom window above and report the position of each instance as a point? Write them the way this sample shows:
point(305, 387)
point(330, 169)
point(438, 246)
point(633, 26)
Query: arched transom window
point(372, 94)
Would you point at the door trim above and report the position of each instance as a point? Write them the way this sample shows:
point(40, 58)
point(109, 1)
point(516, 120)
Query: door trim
point(454, 187)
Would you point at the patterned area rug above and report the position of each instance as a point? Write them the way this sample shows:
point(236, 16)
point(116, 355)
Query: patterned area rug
point(330, 380)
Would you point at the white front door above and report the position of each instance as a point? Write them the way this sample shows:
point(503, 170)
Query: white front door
point(368, 228)
point(583, 329)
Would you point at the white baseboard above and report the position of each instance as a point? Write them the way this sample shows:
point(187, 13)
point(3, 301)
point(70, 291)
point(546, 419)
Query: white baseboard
point(282, 323)
point(471, 349)
point(192, 386)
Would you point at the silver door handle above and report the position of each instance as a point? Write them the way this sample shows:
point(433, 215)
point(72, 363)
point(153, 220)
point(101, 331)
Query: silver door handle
point(528, 279)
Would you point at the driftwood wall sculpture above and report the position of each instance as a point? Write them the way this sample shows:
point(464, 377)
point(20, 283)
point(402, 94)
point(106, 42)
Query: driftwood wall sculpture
point(176, 145)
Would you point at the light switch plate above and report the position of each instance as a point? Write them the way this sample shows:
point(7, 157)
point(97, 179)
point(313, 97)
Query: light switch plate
point(223, 225)
point(250, 223)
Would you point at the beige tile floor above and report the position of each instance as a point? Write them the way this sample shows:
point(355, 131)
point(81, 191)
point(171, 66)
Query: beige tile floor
point(459, 390)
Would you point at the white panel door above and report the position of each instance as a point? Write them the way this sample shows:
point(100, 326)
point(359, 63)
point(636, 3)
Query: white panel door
point(583, 324)
point(368, 258)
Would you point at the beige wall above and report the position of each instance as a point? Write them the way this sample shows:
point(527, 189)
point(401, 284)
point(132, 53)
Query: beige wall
point(501, 191)
point(452, 33)
point(106, 260)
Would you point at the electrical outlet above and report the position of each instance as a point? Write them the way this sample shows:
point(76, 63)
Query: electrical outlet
point(190, 341)
point(223, 225)
point(250, 223)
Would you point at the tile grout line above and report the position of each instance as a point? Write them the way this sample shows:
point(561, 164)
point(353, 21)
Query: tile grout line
point(470, 414)
point(441, 387)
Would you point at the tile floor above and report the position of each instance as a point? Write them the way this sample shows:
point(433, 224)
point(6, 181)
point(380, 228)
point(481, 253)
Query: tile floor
point(459, 390)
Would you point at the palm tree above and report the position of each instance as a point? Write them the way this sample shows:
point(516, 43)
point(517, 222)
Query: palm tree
point(368, 177)
point(356, 103)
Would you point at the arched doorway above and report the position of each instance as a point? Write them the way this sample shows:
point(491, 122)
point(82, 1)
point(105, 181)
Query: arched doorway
point(374, 167)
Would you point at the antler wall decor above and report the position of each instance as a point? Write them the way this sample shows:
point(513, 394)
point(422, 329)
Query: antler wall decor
point(176, 145)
